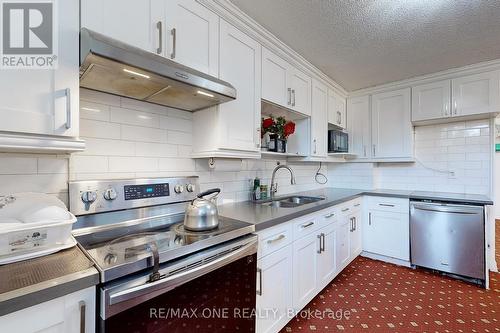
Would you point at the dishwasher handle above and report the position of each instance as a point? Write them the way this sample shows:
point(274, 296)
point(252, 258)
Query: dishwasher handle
point(451, 209)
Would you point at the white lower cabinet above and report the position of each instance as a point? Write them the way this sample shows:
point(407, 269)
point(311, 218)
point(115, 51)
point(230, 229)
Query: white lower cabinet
point(327, 265)
point(73, 313)
point(386, 228)
point(274, 296)
point(305, 266)
point(291, 272)
point(355, 237)
point(342, 254)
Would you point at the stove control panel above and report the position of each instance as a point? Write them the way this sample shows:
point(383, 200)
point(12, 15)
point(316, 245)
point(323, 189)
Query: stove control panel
point(88, 197)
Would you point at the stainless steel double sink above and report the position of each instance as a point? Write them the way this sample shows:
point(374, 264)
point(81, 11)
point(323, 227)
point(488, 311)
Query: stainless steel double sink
point(291, 201)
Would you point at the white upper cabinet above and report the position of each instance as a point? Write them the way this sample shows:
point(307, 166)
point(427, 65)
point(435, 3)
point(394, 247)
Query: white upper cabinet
point(138, 23)
point(192, 35)
point(336, 109)
point(300, 85)
point(275, 79)
point(358, 126)
point(472, 96)
point(392, 131)
point(46, 101)
point(240, 64)
point(319, 125)
point(431, 101)
point(285, 85)
point(476, 94)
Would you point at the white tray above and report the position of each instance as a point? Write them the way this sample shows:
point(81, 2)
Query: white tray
point(30, 255)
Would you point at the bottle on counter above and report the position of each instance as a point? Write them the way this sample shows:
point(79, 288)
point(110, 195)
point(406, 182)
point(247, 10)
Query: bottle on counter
point(256, 189)
point(263, 192)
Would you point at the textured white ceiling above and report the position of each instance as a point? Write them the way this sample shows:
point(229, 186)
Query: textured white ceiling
point(362, 43)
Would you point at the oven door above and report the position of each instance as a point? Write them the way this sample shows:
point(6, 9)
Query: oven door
point(210, 291)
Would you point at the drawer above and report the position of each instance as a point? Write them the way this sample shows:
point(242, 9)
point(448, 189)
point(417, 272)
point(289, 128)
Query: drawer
point(328, 216)
point(274, 238)
point(387, 204)
point(305, 226)
point(350, 207)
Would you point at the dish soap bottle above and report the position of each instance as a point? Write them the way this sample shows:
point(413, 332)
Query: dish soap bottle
point(256, 188)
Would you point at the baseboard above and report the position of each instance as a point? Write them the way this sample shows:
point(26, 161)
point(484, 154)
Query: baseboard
point(390, 260)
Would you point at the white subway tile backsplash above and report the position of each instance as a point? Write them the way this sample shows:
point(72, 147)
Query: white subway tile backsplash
point(94, 111)
point(108, 147)
point(88, 164)
point(99, 129)
point(132, 164)
point(53, 165)
point(11, 165)
point(179, 138)
point(132, 117)
point(143, 134)
point(156, 149)
point(176, 124)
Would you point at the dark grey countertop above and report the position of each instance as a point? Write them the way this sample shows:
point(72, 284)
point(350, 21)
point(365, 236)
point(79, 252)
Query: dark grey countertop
point(264, 216)
point(34, 281)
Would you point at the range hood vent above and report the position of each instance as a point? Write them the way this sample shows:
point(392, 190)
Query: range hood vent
point(117, 68)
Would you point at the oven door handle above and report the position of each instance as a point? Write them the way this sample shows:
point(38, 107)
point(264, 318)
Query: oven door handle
point(173, 281)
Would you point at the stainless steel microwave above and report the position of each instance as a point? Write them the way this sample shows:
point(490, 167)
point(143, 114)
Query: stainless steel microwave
point(338, 141)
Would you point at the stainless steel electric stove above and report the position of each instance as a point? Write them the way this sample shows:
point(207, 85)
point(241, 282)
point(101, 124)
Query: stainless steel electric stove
point(133, 231)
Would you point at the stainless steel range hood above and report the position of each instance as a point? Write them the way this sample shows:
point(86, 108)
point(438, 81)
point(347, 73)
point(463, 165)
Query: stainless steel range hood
point(114, 67)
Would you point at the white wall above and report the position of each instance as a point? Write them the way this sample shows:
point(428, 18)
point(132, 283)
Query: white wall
point(128, 139)
point(463, 148)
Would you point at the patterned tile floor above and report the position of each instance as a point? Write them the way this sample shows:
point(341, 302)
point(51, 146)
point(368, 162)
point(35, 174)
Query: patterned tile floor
point(375, 297)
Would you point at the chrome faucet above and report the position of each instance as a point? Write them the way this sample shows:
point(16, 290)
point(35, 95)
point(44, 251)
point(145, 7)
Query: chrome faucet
point(274, 186)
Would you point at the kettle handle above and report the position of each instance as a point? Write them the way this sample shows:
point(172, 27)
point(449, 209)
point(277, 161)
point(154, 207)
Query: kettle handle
point(208, 192)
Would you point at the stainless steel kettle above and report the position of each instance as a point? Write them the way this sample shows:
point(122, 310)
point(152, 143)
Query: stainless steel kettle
point(201, 214)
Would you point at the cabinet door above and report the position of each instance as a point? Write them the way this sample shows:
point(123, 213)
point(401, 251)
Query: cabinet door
point(336, 109)
point(358, 126)
point(274, 278)
point(305, 266)
point(387, 234)
point(275, 85)
point(240, 61)
point(61, 315)
point(301, 91)
point(130, 21)
point(319, 122)
point(342, 244)
point(355, 242)
point(431, 101)
point(45, 101)
point(392, 131)
point(192, 35)
point(326, 259)
point(476, 94)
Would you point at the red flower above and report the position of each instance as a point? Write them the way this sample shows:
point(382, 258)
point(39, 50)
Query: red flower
point(289, 128)
point(266, 123)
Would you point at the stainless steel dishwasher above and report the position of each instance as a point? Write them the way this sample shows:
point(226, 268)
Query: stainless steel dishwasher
point(448, 237)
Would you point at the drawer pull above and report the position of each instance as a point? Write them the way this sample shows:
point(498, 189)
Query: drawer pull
point(345, 209)
point(357, 205)
point(307, 225)
point(277, 239)
point(386, 205)
point(259, 291)
point(329, 215)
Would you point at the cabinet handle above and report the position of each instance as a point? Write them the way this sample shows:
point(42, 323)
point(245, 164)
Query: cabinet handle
point(319, 238)
point(67, 93)
point(329, 215)
point(386, 205)
point(354, 223)
point(293, 92)
point(82, 316)
point(323, 240)
point(159, 50)
point(259, 291)
point(369, 218)
point(345, 209)
point(455, 107)
point(364, 150)
point(374, 150)
point(339, 117)
point(174, 43)
point(289, 96)
point(277, 239)
point(357, 205)
point(315, 147)
point(350, 228)
point(446, 107)
point(307, 225)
